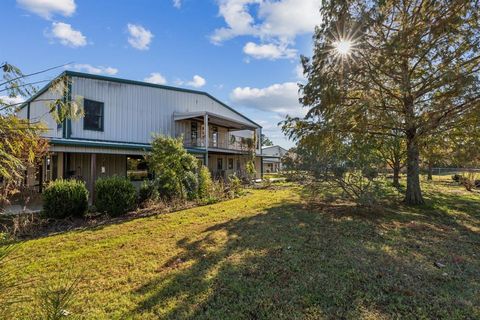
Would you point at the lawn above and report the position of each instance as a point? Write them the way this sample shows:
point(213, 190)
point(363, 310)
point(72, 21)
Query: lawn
point(270, 255)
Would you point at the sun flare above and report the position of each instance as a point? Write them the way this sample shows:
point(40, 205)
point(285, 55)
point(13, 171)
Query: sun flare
point(343, 47)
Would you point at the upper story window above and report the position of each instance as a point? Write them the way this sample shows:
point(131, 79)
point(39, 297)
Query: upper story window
point(215, 137)
point(93, 119)
point(194, 132)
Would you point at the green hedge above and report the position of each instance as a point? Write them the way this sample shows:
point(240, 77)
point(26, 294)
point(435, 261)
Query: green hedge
point(63, 198)
point(114, 195)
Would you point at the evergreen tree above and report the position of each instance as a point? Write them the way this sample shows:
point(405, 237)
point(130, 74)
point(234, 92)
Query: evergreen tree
point(392, 66)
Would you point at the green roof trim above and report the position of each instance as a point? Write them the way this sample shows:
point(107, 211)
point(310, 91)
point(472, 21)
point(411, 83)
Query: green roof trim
point(134, 82)
point(108, 144)
point(99, 144)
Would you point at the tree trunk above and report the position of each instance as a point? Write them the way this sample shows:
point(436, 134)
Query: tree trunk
point(429, 176)
point(396, 175)
point(413, 195)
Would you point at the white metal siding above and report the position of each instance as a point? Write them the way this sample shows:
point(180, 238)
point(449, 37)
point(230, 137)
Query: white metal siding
point(40, 111)
point(132, 112)
point(22, 114)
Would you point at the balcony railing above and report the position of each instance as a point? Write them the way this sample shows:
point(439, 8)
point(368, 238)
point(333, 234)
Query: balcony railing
point(238, 143)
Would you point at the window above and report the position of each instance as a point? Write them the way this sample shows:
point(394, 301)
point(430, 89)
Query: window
point(230, 163)
point(93, 115)
point(215, 136)
point(194, 132)
point(137, 169)
point(219, 164)
point(238, 164)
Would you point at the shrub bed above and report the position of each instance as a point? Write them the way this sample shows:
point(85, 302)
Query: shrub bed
point(63, 198)
point(148, 192)
point(114, 195)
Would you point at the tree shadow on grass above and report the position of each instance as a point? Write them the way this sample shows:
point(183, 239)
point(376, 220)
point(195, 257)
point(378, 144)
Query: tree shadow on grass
point(294, 262)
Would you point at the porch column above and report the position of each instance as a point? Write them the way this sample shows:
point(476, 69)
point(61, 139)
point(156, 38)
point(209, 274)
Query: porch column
point(205, 124)
point(60, 164)
point(93, 174)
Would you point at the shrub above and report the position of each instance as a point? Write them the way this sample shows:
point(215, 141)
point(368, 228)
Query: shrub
point(167, 186)
point(205, 183)
point(266, 183)
point(148, 191)
point(235, 185)
point(190, 182)
point(218, 191)
point(456, 177)
point(173, 166)
point(250, 170)
point(63, 198)
point(114, 195)
point(468, 181)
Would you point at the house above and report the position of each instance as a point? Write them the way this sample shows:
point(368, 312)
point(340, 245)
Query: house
point(119, 119)
point(272, 158)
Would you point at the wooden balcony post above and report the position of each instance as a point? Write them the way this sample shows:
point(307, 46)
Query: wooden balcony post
point(205, 124)
point(93, 175)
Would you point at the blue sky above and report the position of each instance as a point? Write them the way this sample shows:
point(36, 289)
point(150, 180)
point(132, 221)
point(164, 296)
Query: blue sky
point(244, 52)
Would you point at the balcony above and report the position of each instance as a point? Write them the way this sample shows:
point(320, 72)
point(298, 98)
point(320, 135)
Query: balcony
point(214, 132)
point(226, 143)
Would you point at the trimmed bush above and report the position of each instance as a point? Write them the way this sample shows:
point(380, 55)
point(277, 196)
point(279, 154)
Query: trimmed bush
point(114, 195)
point(64, 198)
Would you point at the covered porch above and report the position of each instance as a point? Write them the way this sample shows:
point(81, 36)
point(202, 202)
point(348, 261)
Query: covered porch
point(216, 133)
point(88, 161)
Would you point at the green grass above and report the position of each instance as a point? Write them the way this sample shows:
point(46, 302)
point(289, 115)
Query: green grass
point(269, 255)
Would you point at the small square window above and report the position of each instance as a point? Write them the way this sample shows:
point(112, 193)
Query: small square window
point(93, 119)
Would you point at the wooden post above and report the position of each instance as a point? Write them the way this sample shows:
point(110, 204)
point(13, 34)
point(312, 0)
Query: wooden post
point(205, 124)
point(60, 164)
point(93, 174)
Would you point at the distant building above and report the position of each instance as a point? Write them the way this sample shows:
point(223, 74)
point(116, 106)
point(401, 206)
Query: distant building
point(272, 158)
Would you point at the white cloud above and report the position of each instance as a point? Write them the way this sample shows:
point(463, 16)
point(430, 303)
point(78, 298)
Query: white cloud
point(274, 22)
point(95, 70)
point(283, 20)
point(67, 35)
point(269, 51)
point(6, 100)
point(140, 37)
point(177, 4)
point(288, 18)
point(282, 99)
point(238, 20)
point(196, 82)
point(299, 72)
point(156, 78)
point(47, 8)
